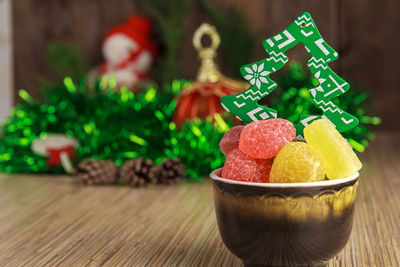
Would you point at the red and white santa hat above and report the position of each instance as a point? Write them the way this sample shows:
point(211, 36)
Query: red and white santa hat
point(138, 29)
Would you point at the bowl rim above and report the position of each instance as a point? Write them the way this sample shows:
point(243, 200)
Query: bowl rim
point(353, 177)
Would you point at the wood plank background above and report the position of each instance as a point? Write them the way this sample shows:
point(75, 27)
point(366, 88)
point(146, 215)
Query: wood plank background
point(52, 221)
point(364, 32)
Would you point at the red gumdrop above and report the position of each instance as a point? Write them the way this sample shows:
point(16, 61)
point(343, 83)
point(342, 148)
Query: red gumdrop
point(239, 166)
point(230, 140)
point(263, 139)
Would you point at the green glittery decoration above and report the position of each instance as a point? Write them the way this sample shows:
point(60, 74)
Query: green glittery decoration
point(108, 124)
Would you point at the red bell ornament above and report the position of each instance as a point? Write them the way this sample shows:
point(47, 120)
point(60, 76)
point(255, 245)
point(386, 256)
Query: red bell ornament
point(201, 99)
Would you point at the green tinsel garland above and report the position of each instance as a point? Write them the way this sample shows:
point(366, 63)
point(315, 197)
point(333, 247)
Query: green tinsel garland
point(108, 124)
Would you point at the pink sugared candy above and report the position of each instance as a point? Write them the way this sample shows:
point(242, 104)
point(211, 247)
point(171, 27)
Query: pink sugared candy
point(230, 140)
point(263, 139)
point(241, 167)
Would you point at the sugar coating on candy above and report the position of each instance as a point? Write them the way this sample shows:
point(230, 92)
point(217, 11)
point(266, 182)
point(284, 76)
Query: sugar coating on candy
point(263, 139)
point(239, 166)
point(339, 159)
point(297, 162)
point(230, 140)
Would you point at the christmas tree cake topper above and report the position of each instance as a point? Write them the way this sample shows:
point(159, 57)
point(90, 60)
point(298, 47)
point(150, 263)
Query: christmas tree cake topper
point(303, 30)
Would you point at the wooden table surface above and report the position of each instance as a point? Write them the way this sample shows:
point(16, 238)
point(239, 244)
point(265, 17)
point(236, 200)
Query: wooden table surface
point(48, 221)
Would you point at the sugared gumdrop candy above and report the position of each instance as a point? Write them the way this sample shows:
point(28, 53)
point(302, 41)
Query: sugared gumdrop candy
point(297, 162)
point(339, 159)
point(263, 139)
point(239, 166)
point(230, 140)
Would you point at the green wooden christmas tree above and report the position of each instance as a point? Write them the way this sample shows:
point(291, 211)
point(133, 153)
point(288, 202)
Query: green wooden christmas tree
point(303, 30)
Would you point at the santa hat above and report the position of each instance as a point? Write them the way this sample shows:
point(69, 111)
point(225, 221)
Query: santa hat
point(137, 28)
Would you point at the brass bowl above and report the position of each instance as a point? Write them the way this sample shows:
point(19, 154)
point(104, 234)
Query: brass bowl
point(284, 224)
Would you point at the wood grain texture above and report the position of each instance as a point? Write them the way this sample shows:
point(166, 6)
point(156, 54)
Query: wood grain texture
point(369, 52)
point(49, 221)
point(364, 32)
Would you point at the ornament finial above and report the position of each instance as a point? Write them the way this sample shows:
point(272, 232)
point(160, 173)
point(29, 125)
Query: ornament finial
point(208, 69)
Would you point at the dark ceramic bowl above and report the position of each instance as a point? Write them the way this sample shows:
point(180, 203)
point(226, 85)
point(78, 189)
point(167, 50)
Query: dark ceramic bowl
point(284, 224)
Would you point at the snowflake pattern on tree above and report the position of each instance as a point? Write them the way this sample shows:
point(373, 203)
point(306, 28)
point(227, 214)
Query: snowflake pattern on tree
point(303, 30)
point(256, 75)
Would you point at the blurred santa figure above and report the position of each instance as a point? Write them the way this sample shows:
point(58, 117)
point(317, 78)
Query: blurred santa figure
point(129, 53)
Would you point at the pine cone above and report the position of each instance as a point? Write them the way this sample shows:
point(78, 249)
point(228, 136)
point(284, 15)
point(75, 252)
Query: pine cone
point(170, 171)
point(96, 172)
point(299, 139)
point(137, 172)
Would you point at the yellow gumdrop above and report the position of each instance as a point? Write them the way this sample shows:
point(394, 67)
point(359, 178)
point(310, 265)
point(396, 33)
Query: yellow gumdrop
point(297, 162)
point(339, 159)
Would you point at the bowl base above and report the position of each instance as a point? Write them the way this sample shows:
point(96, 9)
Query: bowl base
point(246, 264)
